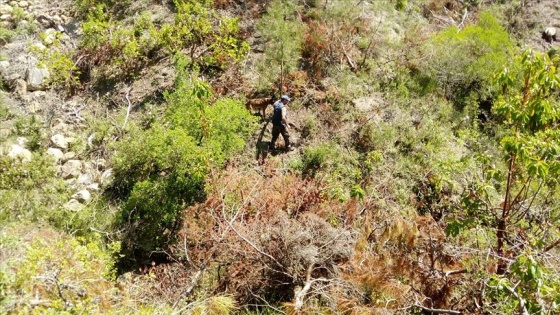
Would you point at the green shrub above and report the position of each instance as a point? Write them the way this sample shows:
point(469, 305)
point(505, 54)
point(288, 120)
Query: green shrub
point(161, 170)
point(58, 60)
point(120, 49)
point(465, 60)
point(283, 35)
point(30, 191)
point(30, 128)
point(63, 275)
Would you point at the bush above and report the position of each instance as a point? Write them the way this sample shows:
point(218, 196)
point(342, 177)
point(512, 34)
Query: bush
point(160, 171)
point(120, 50)
point(465, 60)
point(62, 275)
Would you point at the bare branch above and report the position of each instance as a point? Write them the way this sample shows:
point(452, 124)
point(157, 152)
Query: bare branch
point(128, 108)
point(436, 310)
point(520, 299)
point(253, 245)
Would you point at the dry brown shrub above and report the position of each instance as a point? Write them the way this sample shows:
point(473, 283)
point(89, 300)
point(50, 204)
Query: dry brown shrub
point(316, 51)
point(257, 238)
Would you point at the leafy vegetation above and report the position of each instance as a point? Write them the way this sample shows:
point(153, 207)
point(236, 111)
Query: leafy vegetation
point(161, 170)
point(424, 180)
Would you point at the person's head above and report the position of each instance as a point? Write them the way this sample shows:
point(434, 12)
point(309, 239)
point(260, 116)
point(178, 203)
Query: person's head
point(285, 99)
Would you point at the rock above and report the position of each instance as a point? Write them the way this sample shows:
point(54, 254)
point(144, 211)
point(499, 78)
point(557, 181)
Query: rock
point(46, 21)
point(5, 17)
point(22, 24)
point(4, 66)
point(69, 156)
point(23, 4)
point(93, 187)
point(50, 36)
point(84, 179)
point(19, 152)
point(55, 153)
point(20, 87)
point(100, 163)
point(37, 78)
point(549, 34)
point(106, 178)
point(6, 9)
point(38, 46)
point(60, 141)
point(82, 196)
point(74, 205)
point(72, 168)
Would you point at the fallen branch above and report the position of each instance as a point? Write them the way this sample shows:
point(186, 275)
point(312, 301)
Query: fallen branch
point(436, 310)
point(127, 109)
point(520, 299)
point(300, 295)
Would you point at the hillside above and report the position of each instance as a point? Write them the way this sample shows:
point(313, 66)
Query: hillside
point(137, 174)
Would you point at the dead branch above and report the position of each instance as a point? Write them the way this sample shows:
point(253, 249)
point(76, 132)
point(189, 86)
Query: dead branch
point(253, 245)
point(436, 310)
point(520, 299)
point(301, 294)
point(128, 108)
point(465, 15)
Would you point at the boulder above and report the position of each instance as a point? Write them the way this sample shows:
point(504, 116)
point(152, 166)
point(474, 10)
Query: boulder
point(106, 178)
point(55, 153)
point(20, 87)
point(6, 9)
point(37, 78)
point(69, 156)
point(23, 4)
point(50, 36)
point(46, 21)
point(19, 152)
point(84, 180)
point(74, 205)
point(60, 141)
point(93, 187)
point(72, 168)
point(82, 196)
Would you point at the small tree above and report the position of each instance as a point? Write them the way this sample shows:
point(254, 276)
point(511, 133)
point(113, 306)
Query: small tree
point(518, 200)
point(160, 171)
point(283, 35)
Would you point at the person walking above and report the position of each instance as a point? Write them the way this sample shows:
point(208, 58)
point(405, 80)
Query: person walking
point(280, 123)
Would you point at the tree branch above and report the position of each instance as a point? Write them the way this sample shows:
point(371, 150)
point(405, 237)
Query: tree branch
point(437, 310)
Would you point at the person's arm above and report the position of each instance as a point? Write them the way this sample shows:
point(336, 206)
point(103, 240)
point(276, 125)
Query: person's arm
point(284, 117)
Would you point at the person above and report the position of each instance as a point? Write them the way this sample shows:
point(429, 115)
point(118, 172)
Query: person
point(280, 122)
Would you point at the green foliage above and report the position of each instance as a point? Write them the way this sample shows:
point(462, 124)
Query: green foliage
point(464, 61)
point(122, 49)
point(30, 191)
point(4, 110)
point(6, 34)
point(83, 7)
point(64, 275)
point(30, 128)
point(63, 72)
point(283, 35)
point(531, 288)
point(160, 171)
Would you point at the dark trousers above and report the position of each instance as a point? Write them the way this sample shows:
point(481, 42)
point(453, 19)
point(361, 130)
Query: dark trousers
point(280, 129)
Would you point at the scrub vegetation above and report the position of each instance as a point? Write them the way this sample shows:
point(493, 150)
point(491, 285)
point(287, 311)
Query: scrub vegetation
point(424, 179)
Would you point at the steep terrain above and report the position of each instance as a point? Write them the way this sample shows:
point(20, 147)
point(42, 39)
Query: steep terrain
point(134, 180)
